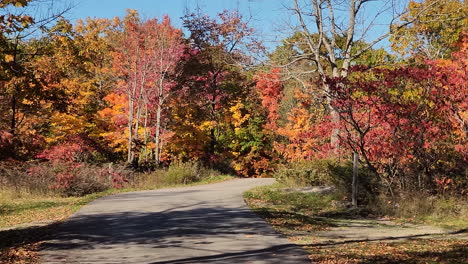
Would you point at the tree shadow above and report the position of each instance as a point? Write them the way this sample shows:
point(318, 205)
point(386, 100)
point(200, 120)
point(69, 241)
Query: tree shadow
point(344, 228)
point(321, 221)
point(28, 235)
point(291, 220)
point(20, 245)
point(389, 238)
point(268, 255)
point(38, 205)
point(206, 233)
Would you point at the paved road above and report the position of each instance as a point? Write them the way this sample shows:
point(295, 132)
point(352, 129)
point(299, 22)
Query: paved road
point(200, 224)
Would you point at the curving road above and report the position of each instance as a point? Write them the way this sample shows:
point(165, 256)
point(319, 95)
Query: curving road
point(200, 224)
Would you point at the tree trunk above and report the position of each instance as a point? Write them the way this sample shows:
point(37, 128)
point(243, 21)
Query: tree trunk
point(130, 129)
point(334, 138)
point(145, 130)
point(13, 115)
point(212, 145)
point(157, 134)
point(355, 180)
point(157, 140)
point(334, 115)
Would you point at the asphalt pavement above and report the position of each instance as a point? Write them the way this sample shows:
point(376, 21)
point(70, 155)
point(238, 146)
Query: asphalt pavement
point(199, 224)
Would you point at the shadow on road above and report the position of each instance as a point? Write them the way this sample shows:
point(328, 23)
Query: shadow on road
point(203, 231)
point(238, 257)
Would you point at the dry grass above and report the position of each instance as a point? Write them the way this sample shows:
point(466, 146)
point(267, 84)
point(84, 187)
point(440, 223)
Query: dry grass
point(446, 211)
point(21, 208)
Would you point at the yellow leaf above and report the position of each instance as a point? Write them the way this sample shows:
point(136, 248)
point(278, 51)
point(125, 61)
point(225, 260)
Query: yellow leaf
point(21, 3)
point(9, 58)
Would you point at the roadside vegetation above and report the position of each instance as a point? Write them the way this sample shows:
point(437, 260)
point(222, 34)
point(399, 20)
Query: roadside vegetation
point(443, 205)
point(307, 218)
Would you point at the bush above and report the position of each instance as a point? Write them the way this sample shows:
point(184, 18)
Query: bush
point(67, 178)
point(447, 210)
point(147, 180)
point(64, 178)
point(305, 173)
point(79, 179)
point(27, 178)
point(330, 172)
point(185, 173)
point(76, 148)
point(341, 176)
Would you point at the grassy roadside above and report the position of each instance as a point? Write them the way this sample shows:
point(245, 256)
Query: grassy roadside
point(303, 216)
point(27, 208)
point(18, 209)
point(26, 219)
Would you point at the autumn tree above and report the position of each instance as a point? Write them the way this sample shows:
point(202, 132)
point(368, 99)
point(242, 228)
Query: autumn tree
point(166, 49)
point(401, 122)
point(11, 27)
point(74, 61)
point(218, 47)
point(435, 31)
point(146, 58)
point(334, 35)
point(249, 144)
point(270, 89)
point(22, 91)
point(128, 64)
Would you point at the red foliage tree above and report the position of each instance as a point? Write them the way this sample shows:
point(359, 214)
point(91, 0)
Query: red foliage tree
point(400, 121)
point(145, 59)
point(270, 88)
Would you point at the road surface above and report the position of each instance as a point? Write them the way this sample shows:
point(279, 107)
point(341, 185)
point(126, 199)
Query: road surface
point(199, 224)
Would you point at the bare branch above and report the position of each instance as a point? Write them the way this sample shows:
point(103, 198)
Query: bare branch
point(393, 29)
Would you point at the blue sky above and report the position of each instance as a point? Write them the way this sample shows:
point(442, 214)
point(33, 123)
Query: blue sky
point(268, 17)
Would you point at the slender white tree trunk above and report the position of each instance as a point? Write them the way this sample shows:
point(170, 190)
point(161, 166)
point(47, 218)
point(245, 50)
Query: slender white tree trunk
point(130, 128)
point(157, 140)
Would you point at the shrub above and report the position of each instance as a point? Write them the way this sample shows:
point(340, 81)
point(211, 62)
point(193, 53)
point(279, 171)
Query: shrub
point(330, 172)
point(64, 178)
point(82, 180)
point(147, 180)
point(6, 144)
point(77, 148)
point(189, 172)
point(341, 176)
point(447, 210)
point(27, 178)
point(305, 173)
point(78, 179)
point(450, 208)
